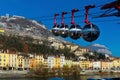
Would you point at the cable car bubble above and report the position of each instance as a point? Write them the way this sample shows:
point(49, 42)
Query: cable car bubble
point(90, 32)
point(64, 31)
point(75, 31)
point(55, 30)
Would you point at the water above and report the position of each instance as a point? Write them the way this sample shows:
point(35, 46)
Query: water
point(71, 78)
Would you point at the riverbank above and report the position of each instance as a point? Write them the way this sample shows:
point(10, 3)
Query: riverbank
point(30, 74)
point(13, 74)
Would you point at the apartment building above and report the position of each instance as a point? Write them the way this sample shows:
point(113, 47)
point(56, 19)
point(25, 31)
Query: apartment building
point(116, 64)
point(4, 60)
point(85, 65)
point(50, 61)
point(105, 65)
point(12, 61)
point(96, 65)
point(56, 61)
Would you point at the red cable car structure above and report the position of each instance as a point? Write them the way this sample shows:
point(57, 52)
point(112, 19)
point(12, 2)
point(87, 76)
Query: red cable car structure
point(90, 31)
point(110, 7)
point(56, 27)
point(75, 30)
point(64, 28)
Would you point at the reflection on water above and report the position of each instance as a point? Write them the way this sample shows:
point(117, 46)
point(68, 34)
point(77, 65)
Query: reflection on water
point(70, 78)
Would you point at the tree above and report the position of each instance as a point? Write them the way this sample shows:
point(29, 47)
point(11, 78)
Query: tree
point(86, 55)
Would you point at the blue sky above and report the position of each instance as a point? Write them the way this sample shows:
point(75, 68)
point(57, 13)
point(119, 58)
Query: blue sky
point(39, 9)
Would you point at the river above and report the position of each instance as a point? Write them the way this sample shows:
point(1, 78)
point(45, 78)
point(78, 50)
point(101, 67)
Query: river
point(70, 78)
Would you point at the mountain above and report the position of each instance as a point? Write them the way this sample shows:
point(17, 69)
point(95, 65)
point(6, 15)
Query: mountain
point(19, 25)
point(100, 49)
point(23, 26)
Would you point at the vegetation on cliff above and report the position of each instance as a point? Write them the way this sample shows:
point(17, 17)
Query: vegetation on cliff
point(30, 45)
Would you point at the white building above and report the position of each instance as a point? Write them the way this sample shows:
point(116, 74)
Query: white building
point(50, 61)
point(26, 63)
point(62, 61)
point(96, 65)
point(56, 61)
point(12, 61)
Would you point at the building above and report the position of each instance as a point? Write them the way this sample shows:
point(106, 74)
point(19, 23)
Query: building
point(116, 64)
point(45, 62)
point(68, 62)
point(91, 65)
point(80, 51)
point(32, 63)
point(96, 65)
point(76, 63)
point(4, 60)
point(58, 45)
point(62, 61)
point(56, 61)
point(50, 61)
point(26, 63)
point(39, 59)
point(12, 61)
point(59, 61)
point(2, 30)
point(105, 65)
point(85, 65)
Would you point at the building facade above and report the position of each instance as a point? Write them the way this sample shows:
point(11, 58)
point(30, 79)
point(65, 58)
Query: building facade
point(96, 65)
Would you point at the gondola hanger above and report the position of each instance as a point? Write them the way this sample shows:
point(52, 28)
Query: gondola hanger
point(63, 28)
point(56, 27)
point(75, 30)
point(90, 31)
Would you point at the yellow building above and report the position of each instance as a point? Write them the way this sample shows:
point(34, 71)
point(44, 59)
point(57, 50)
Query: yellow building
point(76, 63)
point(2, 30)
point(45, 63)
point(12, 61)
point(85, 64)
point(32, 62)
point(4, 59)
point(116, 64)
point(57, 62)
point(105, 65)
point(35, 61)
point(39, 59)
point(91, 65)
point(68, 63)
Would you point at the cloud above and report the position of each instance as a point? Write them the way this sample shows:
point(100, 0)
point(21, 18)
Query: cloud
point(100, 48)
point(104, 51)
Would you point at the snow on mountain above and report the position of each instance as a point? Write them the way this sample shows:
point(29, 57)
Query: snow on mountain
point(35, 22)
point(24, 26)
point(100, 48)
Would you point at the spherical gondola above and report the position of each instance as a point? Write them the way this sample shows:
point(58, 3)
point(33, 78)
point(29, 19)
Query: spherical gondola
point(64, 31)
point(90, 32)
point(75, 31)
point(55, 30)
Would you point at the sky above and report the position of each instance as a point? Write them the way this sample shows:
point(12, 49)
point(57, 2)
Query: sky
point(44, 10)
